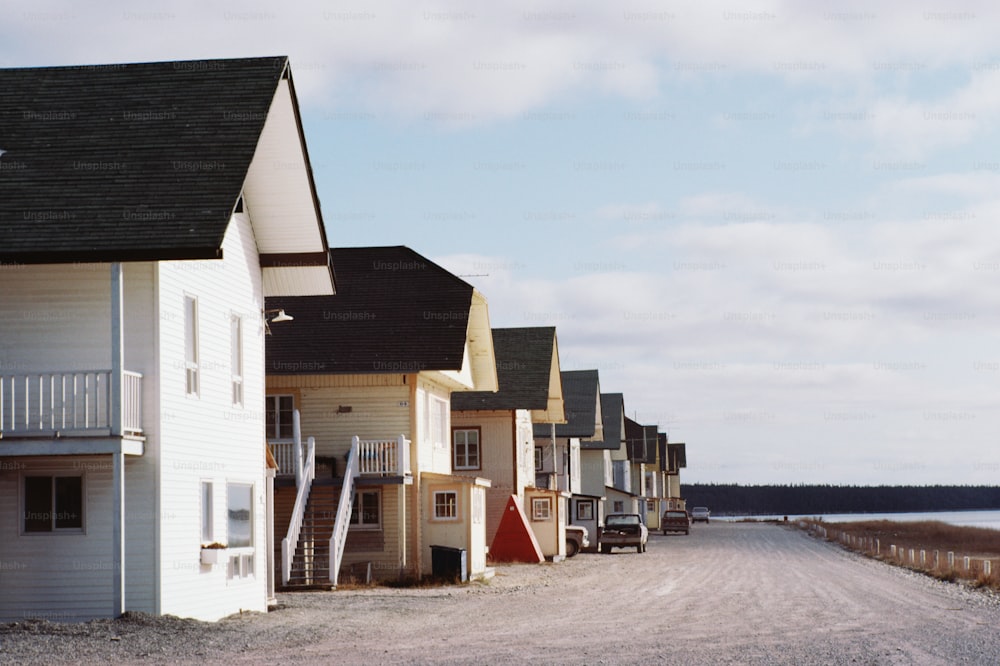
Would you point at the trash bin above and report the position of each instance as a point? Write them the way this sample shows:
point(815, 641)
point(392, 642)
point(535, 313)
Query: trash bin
point(448, 563)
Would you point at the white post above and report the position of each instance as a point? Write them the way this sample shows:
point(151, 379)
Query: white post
point(118, 534)
point(297, 436)
point(115, 407)
point(554, 468)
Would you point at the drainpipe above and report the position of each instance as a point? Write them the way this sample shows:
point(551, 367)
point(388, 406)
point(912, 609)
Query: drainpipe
point(117, 458)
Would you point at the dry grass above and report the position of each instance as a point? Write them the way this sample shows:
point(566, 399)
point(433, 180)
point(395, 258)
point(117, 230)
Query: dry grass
point(976, 543)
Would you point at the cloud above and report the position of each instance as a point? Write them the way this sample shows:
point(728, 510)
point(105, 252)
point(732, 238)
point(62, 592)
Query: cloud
point(470, 64)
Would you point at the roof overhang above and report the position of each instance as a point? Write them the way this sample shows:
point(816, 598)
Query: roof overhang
point(481, 359)
point(280, 196)
point(555, 408)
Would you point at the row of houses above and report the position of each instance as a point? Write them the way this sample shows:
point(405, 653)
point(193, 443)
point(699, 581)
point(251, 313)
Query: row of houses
point(201, 401)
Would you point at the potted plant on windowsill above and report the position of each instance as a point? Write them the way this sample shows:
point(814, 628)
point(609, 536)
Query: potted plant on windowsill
point(211, 553)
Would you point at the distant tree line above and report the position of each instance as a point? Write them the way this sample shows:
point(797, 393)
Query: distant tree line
point(735, 499)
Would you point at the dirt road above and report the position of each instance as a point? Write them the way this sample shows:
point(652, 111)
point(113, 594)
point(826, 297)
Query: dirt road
point(726, 594)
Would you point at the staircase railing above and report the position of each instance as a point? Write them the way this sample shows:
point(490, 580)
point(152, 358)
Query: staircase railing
point(305, 472)
point(344, 508)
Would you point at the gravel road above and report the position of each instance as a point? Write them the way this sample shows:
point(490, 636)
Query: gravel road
point(726, 594)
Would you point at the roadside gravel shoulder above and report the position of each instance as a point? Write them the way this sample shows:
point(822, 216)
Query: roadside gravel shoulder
point(726, 594)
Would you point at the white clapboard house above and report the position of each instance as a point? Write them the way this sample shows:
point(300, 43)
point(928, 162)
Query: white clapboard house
point(146, 210)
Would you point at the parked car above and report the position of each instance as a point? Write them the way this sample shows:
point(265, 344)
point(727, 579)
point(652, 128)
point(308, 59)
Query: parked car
point(577, 538)
point(700, 514)
point(676, 520)
point(623, 530)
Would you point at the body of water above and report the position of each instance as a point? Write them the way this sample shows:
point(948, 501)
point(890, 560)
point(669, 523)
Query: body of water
point(989, 519)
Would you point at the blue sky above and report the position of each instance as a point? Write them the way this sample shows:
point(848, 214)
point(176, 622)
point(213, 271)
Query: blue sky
point(772, 228)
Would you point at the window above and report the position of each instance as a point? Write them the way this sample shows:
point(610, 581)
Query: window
point(366, 510)
point(241, 565)
point(239, 508)
point(53, 503)
point(651, 506)
point(279, 417)
point(191, 345)
point(239, 527)
point(465, 448)
point(207, 523)
point(585, 510)
point(619, 506)
point(539, 457)
point(438, 420)
point(236, 350)
point(541, 508)
point(446, 505)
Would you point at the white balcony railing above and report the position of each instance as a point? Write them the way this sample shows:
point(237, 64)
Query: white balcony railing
point(285, 455)
point(384, 457)
point(77, 401)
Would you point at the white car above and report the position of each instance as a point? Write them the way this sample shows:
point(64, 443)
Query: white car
point(700, 514)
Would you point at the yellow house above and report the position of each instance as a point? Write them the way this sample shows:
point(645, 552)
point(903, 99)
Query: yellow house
point(371, 372)
point(492, 432)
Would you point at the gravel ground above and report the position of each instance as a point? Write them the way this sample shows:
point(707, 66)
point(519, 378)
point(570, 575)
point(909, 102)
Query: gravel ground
point(726, 594)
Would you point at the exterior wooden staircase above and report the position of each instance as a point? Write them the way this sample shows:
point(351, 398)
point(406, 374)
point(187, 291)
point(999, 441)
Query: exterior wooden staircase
point(311, 561)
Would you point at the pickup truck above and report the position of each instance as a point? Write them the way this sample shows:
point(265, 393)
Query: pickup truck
point(577, 538)
point(676, 520)
point(623, 530)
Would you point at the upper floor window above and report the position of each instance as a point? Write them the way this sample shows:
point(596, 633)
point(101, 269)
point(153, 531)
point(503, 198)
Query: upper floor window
point(236, 361)
point(279, 417)
point(539, 458)
point(438, 419)
point(191, 379)
point(465, 448)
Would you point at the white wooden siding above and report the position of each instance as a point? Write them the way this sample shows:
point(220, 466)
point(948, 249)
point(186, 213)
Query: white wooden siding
point(593, 478)
point(57, 576)
point(206, 437)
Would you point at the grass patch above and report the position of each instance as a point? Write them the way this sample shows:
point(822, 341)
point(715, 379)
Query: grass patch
point(975, 550)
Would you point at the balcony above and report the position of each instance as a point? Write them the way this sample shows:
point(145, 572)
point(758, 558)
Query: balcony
point(75, 403)
point(384, 457)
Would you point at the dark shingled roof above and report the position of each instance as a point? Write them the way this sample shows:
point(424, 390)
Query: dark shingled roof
point(127, 162)
point(580, 391)
point(395, 312)
point(677, 454)
point(524, 364)
point(612, 411)
point(640, 441)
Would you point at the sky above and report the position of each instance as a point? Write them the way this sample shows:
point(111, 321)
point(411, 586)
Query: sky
point(770, 225)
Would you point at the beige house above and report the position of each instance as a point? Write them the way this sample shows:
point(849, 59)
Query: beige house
point(492, 432)
point(371, 372)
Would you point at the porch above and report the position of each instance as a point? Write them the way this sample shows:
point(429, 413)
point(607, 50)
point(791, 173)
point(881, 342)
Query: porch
point(376, 458)
point(72, 403)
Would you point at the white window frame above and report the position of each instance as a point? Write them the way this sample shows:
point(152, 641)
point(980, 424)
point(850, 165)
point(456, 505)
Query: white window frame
point(444, 509)
point(437, 418)
point(236, 360)
point(464, 463)
point(541, 509)
point(357, 521)
point(192, 380)
point(207, 512)
point(242, 559)
point(54, 508)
